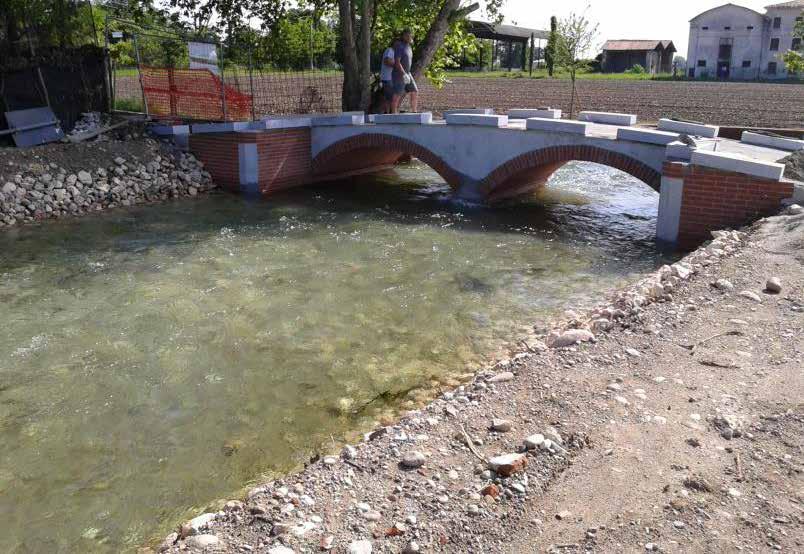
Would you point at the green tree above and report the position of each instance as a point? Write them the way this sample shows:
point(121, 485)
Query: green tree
point(575, 36)
point(794, 59)
point(550, 49)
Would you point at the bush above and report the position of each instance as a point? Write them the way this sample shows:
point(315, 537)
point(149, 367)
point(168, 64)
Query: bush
point(636, 70)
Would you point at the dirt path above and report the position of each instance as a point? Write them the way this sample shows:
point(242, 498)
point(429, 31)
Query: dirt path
point(679, 430)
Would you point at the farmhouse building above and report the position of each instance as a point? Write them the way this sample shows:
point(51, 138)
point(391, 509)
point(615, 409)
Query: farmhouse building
point(656, 56)
point(733, 42)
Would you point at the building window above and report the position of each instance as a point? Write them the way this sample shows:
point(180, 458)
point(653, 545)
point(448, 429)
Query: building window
point(701, 63)
point(772, 68)
point(727, 28)
point(705, 28)
point(774, 45)
point(796, 44)
point(777, 22)
point(750, 27)
point(692, 72)
point(746, 64)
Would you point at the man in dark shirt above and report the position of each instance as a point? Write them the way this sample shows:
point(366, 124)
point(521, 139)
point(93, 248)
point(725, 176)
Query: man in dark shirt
point(402, 79)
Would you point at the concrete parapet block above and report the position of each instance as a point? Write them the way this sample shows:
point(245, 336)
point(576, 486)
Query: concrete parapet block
point(338, 120)
point(738, 164)
point(782, 143)
point(475, 111)
point(527, 113)
point(609, 118)
point(169, 130)
point(477, 119)
point(424, 118)
point(649, 136)
point(695, 129)
point(679, 151)
point(281, 123)
point(557, 126)
point(200, 128)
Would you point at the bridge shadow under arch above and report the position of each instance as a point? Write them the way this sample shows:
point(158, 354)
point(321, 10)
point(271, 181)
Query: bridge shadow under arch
point(527, 172)
point(367, 152)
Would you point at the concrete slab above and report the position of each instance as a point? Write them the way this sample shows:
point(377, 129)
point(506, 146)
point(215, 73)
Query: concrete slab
point(677, 150)
point(169, 130)
point(738, 164)
point(527, 113)
point(609, 118)
point(789, 144)
point(477, 119)
point(558, 126)
point(695, 129)
point(282, 123)
point(476, 111)
point(203, 128)
point(646, 135)
point(338, 120)
point(423, 118)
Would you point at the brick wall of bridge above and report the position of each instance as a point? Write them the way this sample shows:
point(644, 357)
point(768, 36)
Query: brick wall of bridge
point(714, 199)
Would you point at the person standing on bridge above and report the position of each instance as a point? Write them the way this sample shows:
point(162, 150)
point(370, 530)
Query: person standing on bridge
point(387, 78)
point(402, 79)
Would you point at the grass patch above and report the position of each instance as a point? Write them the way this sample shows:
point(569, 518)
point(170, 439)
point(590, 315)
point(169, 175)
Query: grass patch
point(542, 74)
point(129, 105)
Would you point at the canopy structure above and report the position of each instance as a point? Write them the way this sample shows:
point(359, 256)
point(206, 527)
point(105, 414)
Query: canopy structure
point(509, 45)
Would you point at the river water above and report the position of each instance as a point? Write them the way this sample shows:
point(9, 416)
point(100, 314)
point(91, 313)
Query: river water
point(155, 359)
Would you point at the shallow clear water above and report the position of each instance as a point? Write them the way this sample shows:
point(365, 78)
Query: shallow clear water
point(155, 359)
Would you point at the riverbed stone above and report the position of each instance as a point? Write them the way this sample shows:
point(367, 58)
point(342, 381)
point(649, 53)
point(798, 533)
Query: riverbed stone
point(202, 541)
point(502, 377)
point(500, 425)
point(360, 547)
point(508, 464)
point(751, 295)
point(84, 177)
point(413, 460)
point(571, 337)
point(534, 441)
point(773, 285)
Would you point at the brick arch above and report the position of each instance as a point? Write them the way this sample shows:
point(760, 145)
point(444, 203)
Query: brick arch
point(536, 166)
point(360, 153)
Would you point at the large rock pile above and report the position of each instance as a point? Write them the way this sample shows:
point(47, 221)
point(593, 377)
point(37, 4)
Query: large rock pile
point(45, 191)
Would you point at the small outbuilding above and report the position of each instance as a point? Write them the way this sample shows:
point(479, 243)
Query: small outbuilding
point(656, 56)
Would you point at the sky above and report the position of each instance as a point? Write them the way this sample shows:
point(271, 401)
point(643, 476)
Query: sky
point(623, 19)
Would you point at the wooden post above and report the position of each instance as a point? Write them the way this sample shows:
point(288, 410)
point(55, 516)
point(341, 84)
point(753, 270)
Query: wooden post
point(223, 83)
point(532, 52)
point(139, 72)
point(251, 82)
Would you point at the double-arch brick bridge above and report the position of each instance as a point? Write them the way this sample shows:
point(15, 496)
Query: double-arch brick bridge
point(715, 183)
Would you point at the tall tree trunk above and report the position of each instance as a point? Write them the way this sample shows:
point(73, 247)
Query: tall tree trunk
point(356, 49)
point(450, 10)
point(350, 96)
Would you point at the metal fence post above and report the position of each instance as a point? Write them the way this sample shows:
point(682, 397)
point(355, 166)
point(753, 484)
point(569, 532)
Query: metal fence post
point(139, 72)
point(223, 84)
point(532, 51)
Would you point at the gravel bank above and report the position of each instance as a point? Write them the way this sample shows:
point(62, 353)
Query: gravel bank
point(668, 419)
point(61, 180)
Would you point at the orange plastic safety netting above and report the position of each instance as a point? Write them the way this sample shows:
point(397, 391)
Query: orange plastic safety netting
point(193, 94)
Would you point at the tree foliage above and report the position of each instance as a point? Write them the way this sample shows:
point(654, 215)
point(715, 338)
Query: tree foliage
point(576, 35)
point(550, 49)
point(794, 59)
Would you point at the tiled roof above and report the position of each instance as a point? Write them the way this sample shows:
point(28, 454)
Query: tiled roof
point(793, 4)
point(636, 44)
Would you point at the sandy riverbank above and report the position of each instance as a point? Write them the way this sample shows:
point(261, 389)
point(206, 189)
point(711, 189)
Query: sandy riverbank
point(678, 428)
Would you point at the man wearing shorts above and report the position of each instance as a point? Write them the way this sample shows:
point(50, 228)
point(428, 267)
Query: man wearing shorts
point(402, 79)
point(386, 77)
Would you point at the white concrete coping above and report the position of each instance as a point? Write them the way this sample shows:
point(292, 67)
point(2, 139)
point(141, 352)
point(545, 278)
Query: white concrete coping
point(695, 129)
point(679, 151)
point(649, 136)
point(476, 111)
point(527, 113)
point(169, 130)
point(423, 118)
point(785, 143)
point(557, 125)
point(338, 120)
point(738, 164)
point(200, 128)
point(477, 119)
point(282, 123)
point(609, 118)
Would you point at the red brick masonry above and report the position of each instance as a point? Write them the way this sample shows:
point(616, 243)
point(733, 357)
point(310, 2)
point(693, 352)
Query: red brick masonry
point(715, 199)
